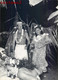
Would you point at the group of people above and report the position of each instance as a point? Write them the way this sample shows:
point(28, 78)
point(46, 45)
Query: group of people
point(31, 47)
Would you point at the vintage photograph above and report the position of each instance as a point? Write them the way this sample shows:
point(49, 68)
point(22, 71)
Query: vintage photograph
point(28, 39)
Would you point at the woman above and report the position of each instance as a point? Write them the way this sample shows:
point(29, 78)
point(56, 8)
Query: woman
point(39, 53)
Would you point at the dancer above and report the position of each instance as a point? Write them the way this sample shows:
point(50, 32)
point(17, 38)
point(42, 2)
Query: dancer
point(40, 40)
point(21, 47)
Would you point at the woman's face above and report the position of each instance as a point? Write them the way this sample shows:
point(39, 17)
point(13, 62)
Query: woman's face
point(37, 31)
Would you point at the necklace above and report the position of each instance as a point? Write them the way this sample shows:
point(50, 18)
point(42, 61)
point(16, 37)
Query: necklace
point(18, 41)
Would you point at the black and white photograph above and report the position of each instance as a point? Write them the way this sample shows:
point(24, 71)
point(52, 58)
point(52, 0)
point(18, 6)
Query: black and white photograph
point(28, 39)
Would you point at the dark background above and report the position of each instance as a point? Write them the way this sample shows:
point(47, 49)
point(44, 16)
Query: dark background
point(39, 13)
